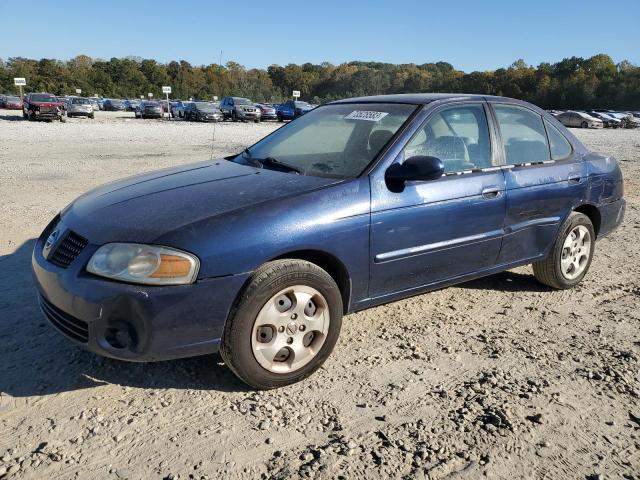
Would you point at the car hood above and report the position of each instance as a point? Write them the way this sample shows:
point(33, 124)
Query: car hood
point(146, 207)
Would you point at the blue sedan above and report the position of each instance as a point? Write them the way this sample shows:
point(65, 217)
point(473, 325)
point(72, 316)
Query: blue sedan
point(360, 202)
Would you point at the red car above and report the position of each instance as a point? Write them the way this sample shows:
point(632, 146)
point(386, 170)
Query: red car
point(11, 103)
point(43, 106)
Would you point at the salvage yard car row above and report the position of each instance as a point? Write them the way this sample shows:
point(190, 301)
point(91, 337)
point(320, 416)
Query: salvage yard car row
point(599, 118)
point(45, 106)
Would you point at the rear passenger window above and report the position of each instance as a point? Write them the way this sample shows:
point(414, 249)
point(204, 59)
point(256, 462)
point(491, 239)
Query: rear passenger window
point(459, 136)
point(523, 135)
point(560, 146)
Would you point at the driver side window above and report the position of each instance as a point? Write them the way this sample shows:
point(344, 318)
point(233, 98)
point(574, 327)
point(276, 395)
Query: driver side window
point(459, 136)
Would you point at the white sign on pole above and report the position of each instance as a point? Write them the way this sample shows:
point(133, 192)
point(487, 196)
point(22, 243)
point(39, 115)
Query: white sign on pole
point(166, 89)
point(141, 97)
point(78, 91)
point(296, 93)
point(215, 98)
point(150, 95)
point(19, 81)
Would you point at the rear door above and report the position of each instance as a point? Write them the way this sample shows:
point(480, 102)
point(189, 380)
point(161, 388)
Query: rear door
point(544, 178)
point(441, 229)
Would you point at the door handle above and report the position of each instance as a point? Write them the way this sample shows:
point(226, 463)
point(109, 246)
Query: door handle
point(491, 192)
point(574, 180)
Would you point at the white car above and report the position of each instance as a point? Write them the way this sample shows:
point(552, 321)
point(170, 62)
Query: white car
point(579, 119)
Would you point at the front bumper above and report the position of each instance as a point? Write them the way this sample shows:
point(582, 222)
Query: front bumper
point(269, 116)
point(242, 114)
point(161, 322)
point(212, 117)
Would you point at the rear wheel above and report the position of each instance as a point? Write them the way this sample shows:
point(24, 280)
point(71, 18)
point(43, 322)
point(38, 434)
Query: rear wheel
point(234, 117)
point(284, 325)
point(571, 254)
point(584, 125)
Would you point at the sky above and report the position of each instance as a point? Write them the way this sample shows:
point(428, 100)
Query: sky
point(469, 34)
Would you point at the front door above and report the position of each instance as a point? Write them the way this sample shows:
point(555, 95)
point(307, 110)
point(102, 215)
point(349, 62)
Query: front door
point(438, 230)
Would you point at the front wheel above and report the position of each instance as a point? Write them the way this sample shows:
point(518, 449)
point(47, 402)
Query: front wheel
point(284, 324)
point(584, 125)
point(571, 254)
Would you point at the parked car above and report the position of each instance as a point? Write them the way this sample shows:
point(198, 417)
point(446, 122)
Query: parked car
point(43, 106)
point(11, 102)
point(358, 203)
point(114, 105)
point(202, 112)
point(628, 121)
point(572, 118)
point(131, 105)
point(267, 112)
point(95, 103)
point(178, 108)
point(79, 107)
point(237, 108)
point(292, 109)
point(149, 109)
point(607, 120)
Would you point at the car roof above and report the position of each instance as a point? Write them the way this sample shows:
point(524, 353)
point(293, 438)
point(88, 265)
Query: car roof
point(421, 98)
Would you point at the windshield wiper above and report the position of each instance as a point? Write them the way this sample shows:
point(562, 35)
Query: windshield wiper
point(278, 164)
point(270, 161)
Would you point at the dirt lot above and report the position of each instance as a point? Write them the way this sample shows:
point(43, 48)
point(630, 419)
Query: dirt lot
point(500, 377)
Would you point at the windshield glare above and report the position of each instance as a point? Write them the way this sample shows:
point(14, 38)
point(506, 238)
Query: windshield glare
point(241, 101)
point(80, 101)
point(301, 104)
point(205, 106)
point(43, 98)
point(337, 141)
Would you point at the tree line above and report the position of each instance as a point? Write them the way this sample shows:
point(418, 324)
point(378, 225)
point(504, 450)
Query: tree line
point(574, 82)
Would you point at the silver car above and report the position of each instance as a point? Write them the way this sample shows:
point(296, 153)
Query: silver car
point(579, 119)
point(79, 107)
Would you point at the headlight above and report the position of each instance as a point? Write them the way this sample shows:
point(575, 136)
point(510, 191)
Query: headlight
point(146, 264)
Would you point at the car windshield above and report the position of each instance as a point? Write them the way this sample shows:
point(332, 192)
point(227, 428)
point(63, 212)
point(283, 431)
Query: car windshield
point(12, 99)
point(80, 101)
point(43, 97)
point(242, 101)
point(205, 106)
point(116, 102)
point(336, 140)
point(301, 104)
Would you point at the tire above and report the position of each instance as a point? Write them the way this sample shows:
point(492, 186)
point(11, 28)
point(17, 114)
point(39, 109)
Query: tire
point(92, 116)
point(584, 125)
point(550, 270)
point(30, 116)
point(241, 332)
point(257, 120)
point(234, 117)
point(63, 118)
point(280, 118)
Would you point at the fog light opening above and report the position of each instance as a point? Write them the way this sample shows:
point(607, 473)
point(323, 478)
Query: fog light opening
point(121, 336)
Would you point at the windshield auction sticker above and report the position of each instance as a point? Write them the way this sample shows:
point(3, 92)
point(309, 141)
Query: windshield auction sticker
point(366, 115)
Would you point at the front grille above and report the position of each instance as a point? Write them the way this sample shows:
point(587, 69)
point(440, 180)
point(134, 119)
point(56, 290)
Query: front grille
point(48, 110)
point(70, 326)
point(68, 250)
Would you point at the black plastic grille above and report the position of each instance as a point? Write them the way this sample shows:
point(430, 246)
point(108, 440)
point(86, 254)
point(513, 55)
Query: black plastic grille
point(70, 326)
point(68, 250)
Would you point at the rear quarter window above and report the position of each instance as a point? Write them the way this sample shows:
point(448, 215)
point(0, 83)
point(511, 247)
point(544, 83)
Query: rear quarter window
point(560, 146)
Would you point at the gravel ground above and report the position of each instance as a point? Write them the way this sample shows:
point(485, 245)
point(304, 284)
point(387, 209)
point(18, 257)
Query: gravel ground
point(499, 377)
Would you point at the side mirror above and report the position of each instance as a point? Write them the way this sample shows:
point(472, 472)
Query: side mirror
point(418, 168)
